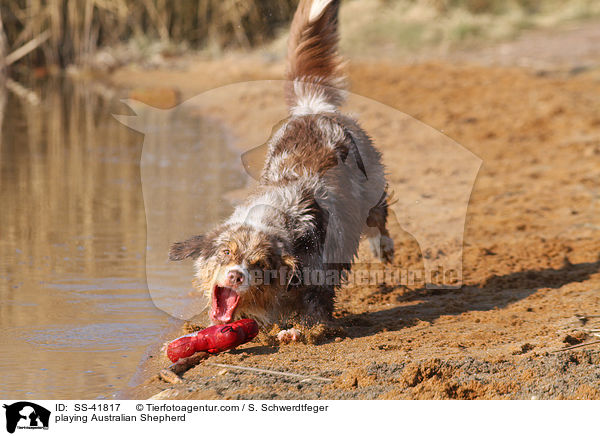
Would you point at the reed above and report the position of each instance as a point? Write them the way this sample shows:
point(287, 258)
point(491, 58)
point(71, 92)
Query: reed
point(78, 28)
point(3, 47)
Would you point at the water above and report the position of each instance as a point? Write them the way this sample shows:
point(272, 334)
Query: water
point(75, 310)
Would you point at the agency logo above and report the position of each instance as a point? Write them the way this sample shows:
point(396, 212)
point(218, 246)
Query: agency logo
point(26, 415)
point(204, 157)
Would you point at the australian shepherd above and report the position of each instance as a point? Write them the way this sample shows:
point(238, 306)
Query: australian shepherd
point(281, 255)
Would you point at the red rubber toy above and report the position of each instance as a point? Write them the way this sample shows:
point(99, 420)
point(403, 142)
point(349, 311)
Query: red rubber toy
point(213, 339)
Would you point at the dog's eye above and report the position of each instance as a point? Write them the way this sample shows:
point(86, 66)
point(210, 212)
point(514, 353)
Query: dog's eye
point(226, 252)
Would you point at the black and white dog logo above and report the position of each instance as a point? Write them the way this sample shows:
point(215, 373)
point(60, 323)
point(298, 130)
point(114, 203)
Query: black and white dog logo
point(26, 415)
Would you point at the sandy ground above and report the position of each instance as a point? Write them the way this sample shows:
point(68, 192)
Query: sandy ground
point(531, 244)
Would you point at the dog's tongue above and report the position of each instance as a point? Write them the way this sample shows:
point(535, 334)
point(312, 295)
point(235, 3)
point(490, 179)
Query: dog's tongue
point(224, 302)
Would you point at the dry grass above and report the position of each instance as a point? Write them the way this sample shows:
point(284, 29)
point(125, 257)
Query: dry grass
point(411, 24)
point(407, 26)
point(78, 28)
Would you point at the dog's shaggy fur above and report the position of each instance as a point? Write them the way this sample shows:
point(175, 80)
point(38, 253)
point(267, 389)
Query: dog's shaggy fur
point(282, 253)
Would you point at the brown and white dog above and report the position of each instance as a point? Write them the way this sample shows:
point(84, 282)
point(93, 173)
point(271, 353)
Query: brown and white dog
point(281, 255)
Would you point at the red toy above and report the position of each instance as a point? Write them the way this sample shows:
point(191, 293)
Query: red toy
point(213, 339)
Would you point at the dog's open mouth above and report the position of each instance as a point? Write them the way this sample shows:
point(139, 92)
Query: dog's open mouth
point(224, 302)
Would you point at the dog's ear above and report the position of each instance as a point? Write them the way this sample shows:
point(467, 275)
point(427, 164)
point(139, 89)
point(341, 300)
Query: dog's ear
point(353, 149)
point(189, 248)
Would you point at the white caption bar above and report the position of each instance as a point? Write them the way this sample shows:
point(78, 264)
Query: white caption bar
point(296, 417)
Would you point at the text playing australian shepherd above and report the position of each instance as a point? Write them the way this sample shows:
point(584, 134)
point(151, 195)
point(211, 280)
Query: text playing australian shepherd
point(322, 187)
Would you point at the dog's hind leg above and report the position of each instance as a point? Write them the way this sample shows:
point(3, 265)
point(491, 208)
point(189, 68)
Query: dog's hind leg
point(382, 245)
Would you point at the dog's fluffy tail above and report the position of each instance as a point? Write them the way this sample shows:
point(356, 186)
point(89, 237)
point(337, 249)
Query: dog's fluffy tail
point(314, 78)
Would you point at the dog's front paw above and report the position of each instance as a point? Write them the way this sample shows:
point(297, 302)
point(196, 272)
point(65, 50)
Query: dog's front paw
point(290, 335)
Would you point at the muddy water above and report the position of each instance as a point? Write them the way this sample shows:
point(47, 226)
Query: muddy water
point(76, 313)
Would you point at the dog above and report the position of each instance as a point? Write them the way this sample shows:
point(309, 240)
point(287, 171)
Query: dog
point(322, 187)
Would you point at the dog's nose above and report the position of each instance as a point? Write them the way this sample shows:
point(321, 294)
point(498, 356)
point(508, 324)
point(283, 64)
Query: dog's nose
point(234, 278)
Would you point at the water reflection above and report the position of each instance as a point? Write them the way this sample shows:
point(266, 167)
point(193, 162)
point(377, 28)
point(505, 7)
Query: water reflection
point(185, 175)
point(75, 312)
